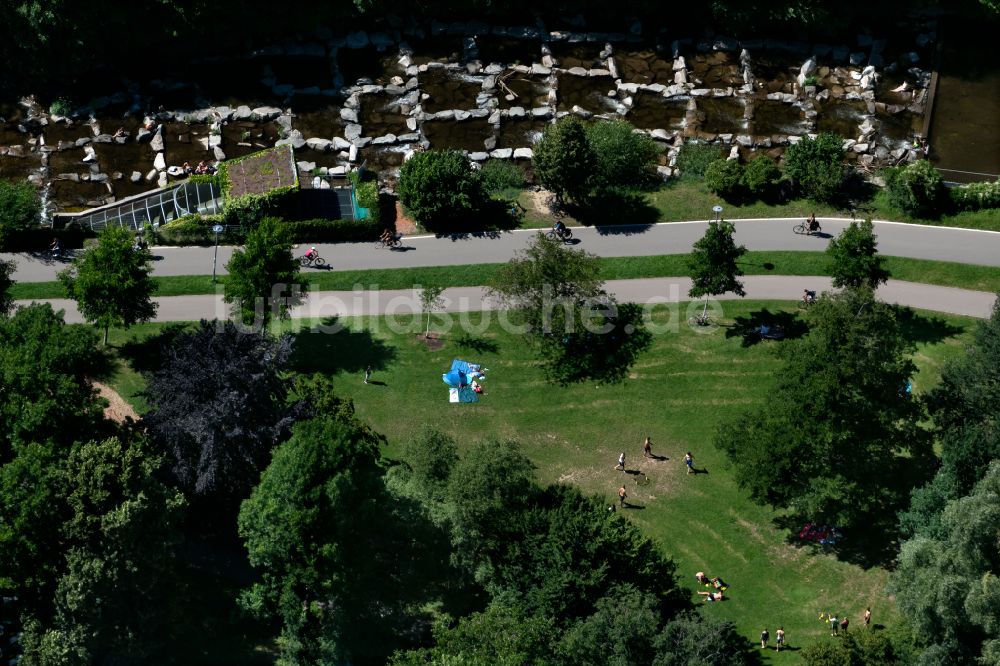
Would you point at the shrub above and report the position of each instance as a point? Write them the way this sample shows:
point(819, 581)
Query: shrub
point(332, 231)
point(916, 189)
point(694, 158)
point(563, 159)
point(196, 230)
point(501, 178)
point(761, 176)
point(440, 189)
point(976, 196)
point(725, 178)
point(60, 107)
point(816, 165)
point(20, 207)
point(624, 157)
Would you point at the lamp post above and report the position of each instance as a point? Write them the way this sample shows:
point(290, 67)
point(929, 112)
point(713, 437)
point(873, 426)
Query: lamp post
point(218, 230)
point(717, 209)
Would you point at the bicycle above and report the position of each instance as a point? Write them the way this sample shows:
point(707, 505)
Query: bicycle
point(803, 228)
point(563, 235)
point(311, 260)
point(390, 243)
point(700, 320)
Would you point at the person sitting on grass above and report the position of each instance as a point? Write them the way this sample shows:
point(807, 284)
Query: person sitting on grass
point(712, 596)
point(719, 584)
point(701, 578)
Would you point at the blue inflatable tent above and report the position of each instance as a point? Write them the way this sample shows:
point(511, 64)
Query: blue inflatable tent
point(458, 376)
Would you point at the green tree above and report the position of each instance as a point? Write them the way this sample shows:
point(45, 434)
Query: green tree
point(693, 159)
point(837, 439)
point(714, 263)
point(334, 564)
point(816, 165)
point(20, 207)
point(621, 632)
point(430, 300)
point(440, 189)
point(45, 371)
point(31, 518)
point(564, 160)
point(264, 278)
point(696, 639)
point(761, 176)
point(725, 178)
point(501, 635)
point(855, 261)
point(916, 189)
point(947, 587)
point(623, 157)
point(117, 595)
point(7, 269)
point(111, 282)
point(580, 331)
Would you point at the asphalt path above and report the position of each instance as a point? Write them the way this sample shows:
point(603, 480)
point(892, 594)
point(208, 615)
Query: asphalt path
point(326, 305)
point(895, 239)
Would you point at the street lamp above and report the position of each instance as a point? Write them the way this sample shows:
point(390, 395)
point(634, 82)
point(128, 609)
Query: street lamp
point(717, 209)
point(218, 230)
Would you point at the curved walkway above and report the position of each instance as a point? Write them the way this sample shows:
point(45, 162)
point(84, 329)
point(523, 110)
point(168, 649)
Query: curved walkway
point(651, 291)
point(895, 239)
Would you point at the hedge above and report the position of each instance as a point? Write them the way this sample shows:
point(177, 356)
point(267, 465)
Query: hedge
point(40, 238)
point(330, 231)
point(976, 196)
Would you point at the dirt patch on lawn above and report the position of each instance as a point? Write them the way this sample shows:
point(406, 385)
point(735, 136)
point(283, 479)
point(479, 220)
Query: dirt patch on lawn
point(433, 343)
point(117, 410)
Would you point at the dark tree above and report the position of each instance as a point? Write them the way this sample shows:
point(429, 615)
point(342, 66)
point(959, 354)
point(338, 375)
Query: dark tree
point(855, 258)
point(838, 439)
point(20, 207)
point(623, 157)
point(563, 159)
point(218, 407)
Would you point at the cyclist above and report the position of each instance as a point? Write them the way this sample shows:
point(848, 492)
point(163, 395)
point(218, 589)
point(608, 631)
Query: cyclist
point(311, 253)
point(387, 236)
point(559, 228)
point(808, 297)
point(55, 248)
point(812, 224)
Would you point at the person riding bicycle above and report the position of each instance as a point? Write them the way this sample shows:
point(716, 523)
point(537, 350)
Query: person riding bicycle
point(560, 228)
point(811, 223)
point(311, 253)
point(55, 248)
point(808, 296)
point(387, 236)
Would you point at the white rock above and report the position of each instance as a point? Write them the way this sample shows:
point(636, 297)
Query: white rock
point(161, 180)
point(135, 177)
point(305, 166)
point(353, 154)
point(159, 162)
point(321, 145)
point(384, 140)
point(89, 154)
point(151, 175)
point(218, 153)
point(349, 115)
point(502, 153)
point(523, 153)
point(479, 156)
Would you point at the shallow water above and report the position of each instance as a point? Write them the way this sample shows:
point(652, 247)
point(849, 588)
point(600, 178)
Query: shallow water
point(721, 115)
point(772, 117)
point(644, 67)
point(447, 91)
point(841, 117)
point(464, 135)
point(651, 111)
point(590, 93)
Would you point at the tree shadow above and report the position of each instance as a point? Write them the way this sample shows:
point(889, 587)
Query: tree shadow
point(607, 208)
point(477, 344)
point(871, 545)
point(145, 355)
point(332, 348)
point(486, 221)
point(925, 329)
point(749, 327)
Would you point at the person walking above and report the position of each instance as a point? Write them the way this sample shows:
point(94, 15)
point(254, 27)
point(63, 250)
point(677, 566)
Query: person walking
point(834, 624)
point(689, 461)
point(621, 461)
point(868, 616)
point(368, 373)
point(844, 624)
point(779, 639)
point(621, 496)
point(647, 447)
point(764, 637)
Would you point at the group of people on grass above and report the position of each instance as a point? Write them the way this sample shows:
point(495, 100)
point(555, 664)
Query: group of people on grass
point(647, 452)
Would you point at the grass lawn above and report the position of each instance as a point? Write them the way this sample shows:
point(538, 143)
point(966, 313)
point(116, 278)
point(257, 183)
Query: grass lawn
point(677, 393)
point(948, 274)
point(688, 199)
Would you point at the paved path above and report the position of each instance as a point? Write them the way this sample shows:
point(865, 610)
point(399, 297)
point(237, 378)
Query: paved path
point(895, 239)
point(322, 304)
